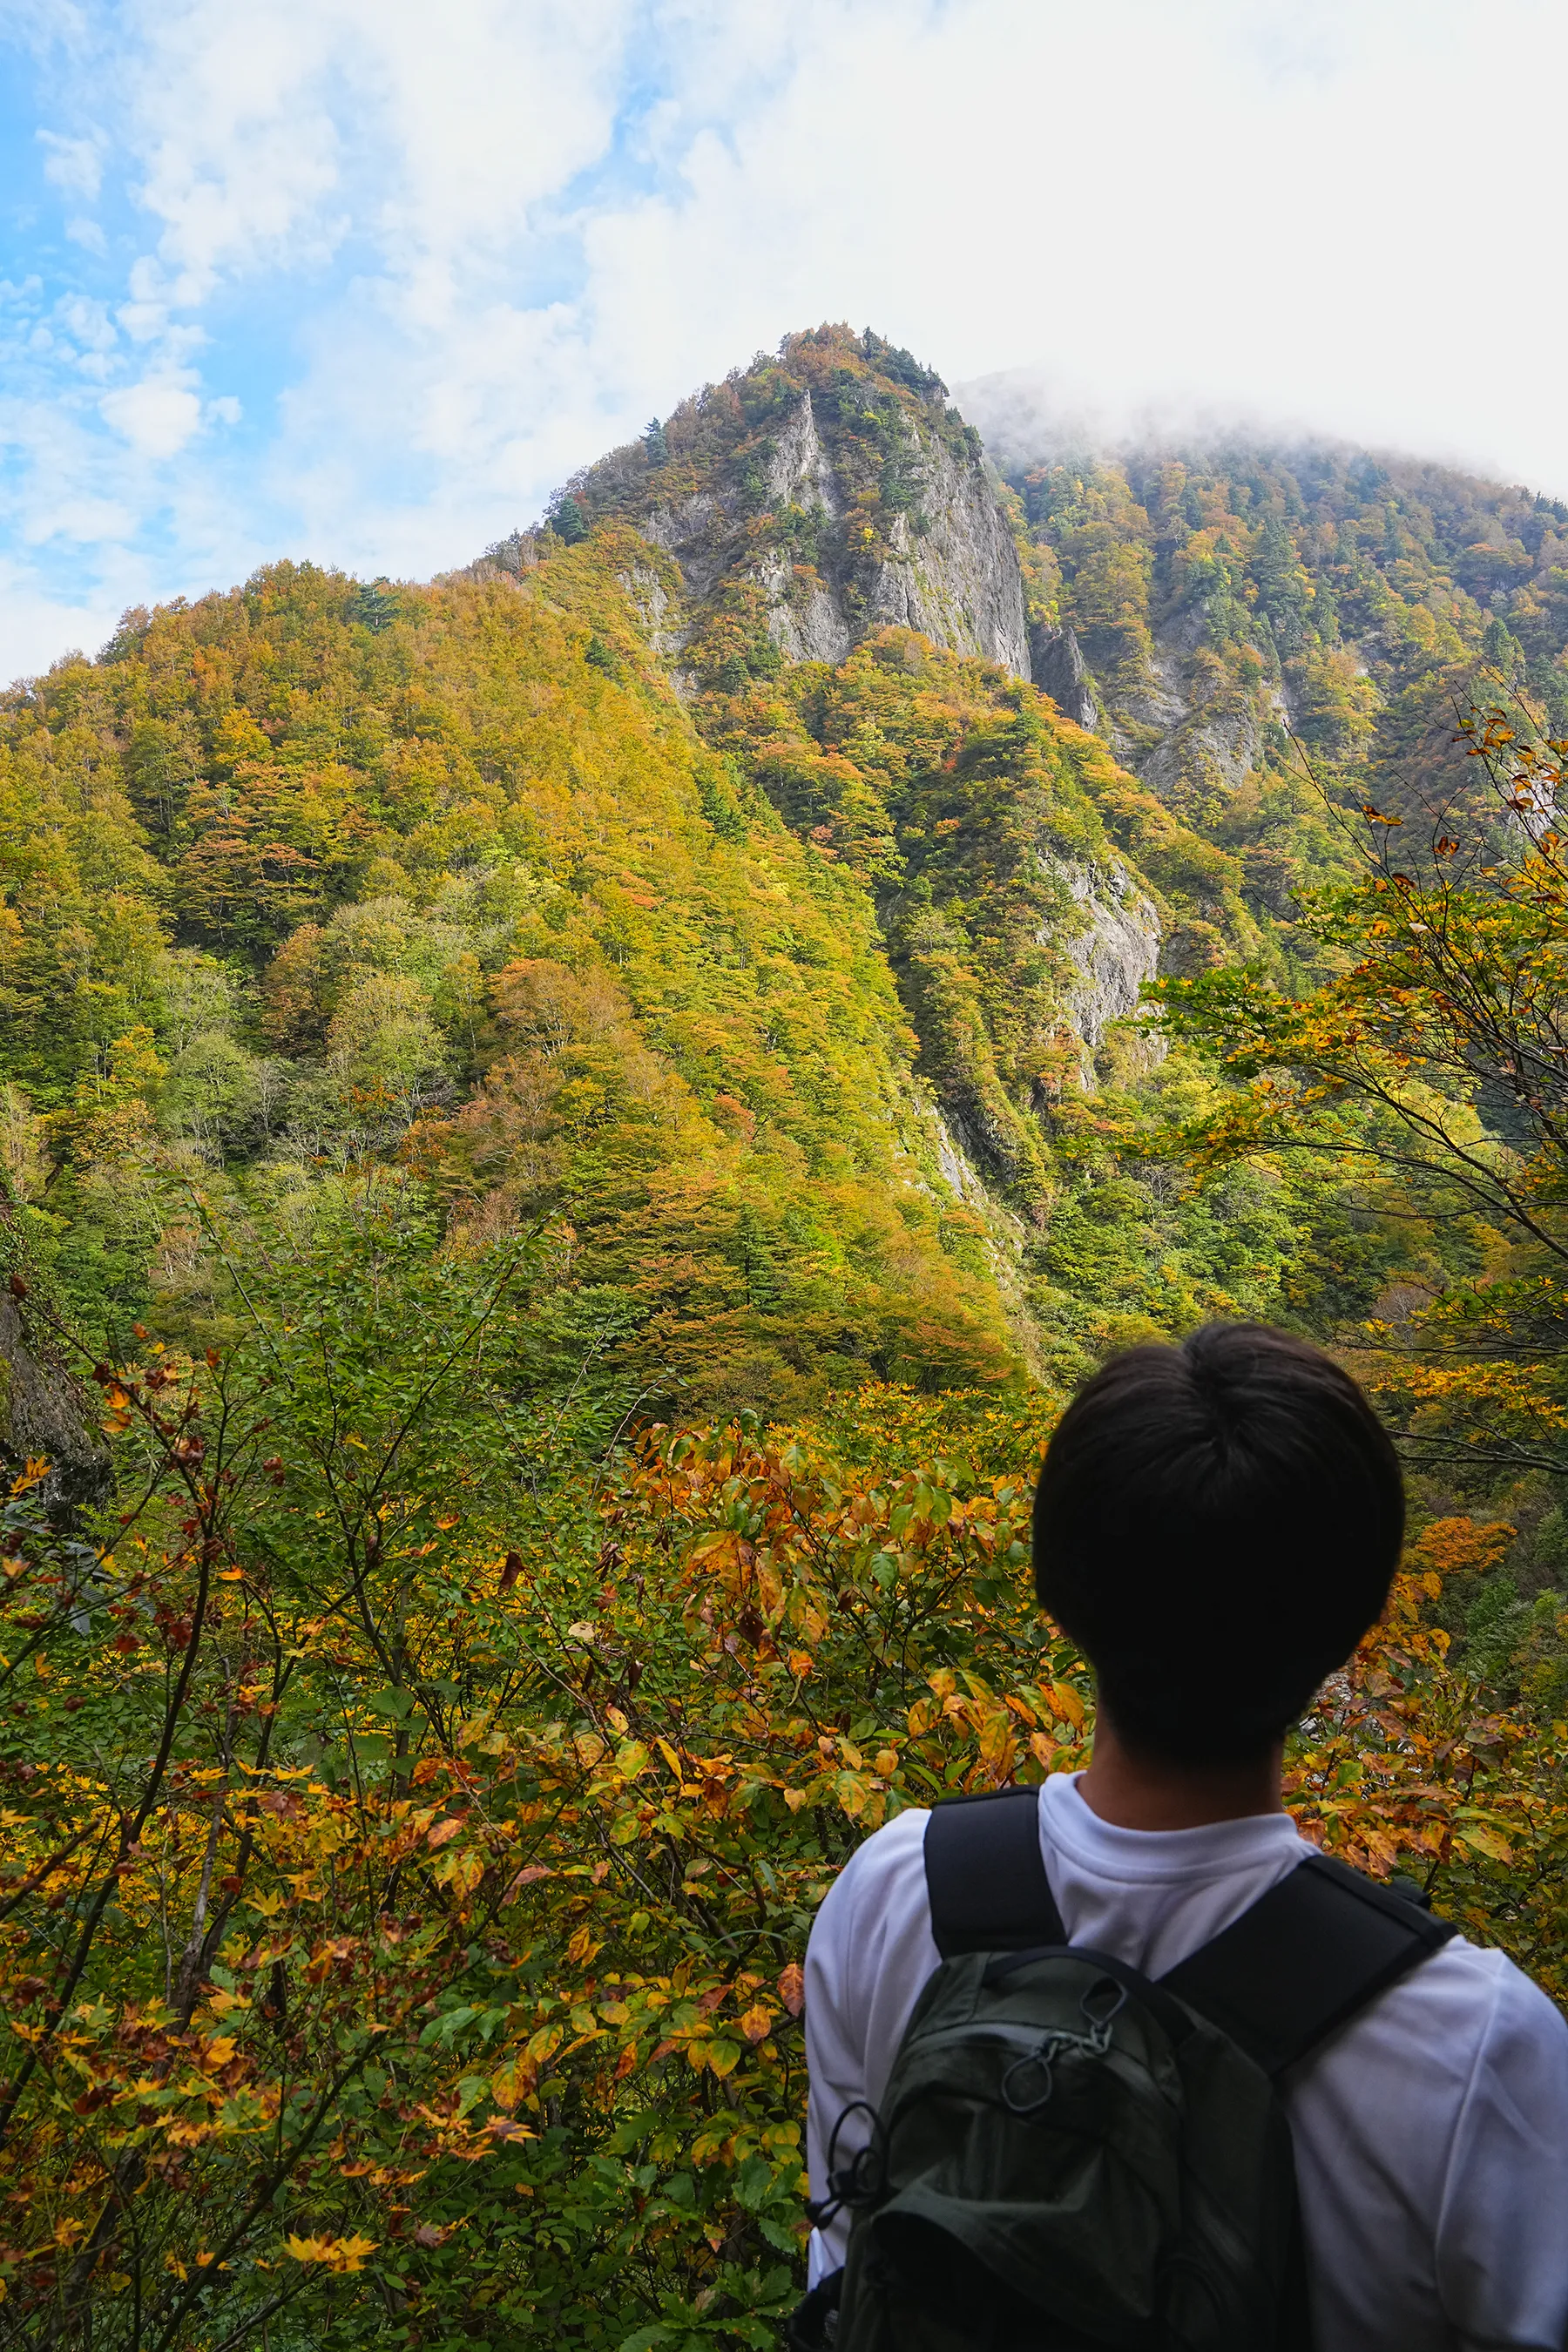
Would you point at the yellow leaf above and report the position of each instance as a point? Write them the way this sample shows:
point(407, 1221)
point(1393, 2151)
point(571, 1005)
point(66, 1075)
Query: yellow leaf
point(349, 2254)
point(338, 2253)
point(461, 1871)
point(509, 2082)
point(1481, 1840)
point(1066, 1704)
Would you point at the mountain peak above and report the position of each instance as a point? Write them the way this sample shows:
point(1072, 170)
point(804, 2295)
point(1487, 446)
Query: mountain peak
point(809, 499)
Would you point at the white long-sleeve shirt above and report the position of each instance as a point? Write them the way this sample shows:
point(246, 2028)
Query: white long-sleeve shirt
point(1431, 2133)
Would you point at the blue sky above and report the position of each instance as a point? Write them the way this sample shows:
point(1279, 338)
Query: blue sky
point(364, 280)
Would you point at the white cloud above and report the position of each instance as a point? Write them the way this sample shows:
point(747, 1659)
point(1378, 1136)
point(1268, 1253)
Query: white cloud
point(35, 630)
point(86, 321)
point(86, 522)
point(73, 164)
point(157, 416)
point(476, 259)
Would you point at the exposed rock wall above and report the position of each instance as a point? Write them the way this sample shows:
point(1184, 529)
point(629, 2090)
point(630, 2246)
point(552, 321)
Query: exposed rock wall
point(954, 574)
point(1057, 666)
point(946, 566)
point(1114, 952)
point(42, 1414)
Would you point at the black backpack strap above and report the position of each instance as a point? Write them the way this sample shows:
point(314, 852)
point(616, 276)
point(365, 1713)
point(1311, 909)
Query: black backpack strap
point(986, 1876)
point(1307, 1955)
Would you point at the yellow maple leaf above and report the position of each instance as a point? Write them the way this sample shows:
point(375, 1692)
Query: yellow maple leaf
point(349, 2254)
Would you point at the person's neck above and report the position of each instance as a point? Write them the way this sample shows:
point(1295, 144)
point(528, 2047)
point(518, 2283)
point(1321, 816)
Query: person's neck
point(1135, 1791)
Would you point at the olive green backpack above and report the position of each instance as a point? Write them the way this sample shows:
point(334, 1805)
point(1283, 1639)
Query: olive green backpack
point(1069, 2156)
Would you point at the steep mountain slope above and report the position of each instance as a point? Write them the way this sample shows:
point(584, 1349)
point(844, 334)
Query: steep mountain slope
point(284, 887)
point(1024, 885)
point(702, 873)
point(813, 503)
point(1216, 601)
point(808, 501)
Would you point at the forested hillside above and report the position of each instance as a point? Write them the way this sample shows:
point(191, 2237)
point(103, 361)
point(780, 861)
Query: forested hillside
point(566, 1130)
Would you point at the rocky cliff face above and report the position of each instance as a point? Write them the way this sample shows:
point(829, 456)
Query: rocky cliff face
point(1057, 667)
point(1183, 726)
point(1116, 950)
point(831, 509)
point(810, 502)
point(42, 1415)
point(945, 565)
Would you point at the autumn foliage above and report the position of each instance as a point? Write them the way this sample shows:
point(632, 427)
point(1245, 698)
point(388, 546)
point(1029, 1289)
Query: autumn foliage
point(402, 1926)
point(551, 1217)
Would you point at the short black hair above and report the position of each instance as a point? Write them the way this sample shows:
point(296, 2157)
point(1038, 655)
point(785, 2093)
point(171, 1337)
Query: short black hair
point(1217, 1525)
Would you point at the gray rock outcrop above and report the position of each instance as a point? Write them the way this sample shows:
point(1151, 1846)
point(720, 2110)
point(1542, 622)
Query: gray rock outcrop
point(957, 579)
point(1114, 948)
point(1056, 664)
point(946, 566)
point(43, 1414)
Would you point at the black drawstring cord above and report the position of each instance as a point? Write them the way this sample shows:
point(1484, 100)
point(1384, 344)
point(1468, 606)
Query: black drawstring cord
point(859, 2181)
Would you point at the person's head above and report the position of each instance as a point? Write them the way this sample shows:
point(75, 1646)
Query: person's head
point(1216, 1525)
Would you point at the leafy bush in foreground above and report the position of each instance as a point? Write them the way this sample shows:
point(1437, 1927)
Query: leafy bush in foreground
point(401, 1925)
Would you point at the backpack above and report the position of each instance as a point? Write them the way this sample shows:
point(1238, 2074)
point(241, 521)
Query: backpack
point(1070, 2156)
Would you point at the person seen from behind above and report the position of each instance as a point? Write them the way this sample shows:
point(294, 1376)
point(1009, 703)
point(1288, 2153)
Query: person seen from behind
point(1078, 2138)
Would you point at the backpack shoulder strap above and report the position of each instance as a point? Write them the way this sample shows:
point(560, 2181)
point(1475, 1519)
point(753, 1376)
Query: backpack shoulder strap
point(986, 1876)
point(1307, 1955)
